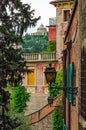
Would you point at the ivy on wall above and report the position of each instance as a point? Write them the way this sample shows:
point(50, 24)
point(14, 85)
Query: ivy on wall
point(57, 119)
point(53, 89)
point(53, 92)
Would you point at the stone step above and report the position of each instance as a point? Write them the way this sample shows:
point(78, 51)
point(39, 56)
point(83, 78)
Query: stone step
point(37, 101)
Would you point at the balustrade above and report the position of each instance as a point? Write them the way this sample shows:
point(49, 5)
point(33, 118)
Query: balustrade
point(48, 56)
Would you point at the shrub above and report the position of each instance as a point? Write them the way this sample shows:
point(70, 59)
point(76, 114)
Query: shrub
point(19, 98)
point(57, 119)
point(53, 92)
point(17, 121)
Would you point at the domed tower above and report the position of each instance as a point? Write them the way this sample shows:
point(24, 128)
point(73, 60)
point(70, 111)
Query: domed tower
point(63, 14)
point(41, 30)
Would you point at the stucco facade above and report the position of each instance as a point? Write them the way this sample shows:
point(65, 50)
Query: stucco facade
point(63, 12)
point(34, 80)
point(52, 33)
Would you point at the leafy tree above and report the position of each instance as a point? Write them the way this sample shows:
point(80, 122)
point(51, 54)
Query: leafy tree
point(27, 37)
point(51, 46)
point(15, 18)
point(34, 44)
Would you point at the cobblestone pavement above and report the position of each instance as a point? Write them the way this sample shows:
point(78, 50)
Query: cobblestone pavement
point(37, 101)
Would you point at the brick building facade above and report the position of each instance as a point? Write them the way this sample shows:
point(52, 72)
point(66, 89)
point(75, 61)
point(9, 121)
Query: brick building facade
point(71, 73)
point(74, 68)
point(82, 82)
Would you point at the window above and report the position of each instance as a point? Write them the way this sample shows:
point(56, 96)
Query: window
point(66, 15)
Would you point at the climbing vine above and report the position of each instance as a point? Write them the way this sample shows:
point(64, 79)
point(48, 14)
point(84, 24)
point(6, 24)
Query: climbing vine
point(53, 89)
point(57, 119)
point(53, 92)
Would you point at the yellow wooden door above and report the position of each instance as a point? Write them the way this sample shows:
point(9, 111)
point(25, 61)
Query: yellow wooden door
point(31, 78)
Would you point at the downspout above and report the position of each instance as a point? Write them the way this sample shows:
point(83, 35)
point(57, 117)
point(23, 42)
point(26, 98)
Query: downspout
point(64, 84)
point(69, 105)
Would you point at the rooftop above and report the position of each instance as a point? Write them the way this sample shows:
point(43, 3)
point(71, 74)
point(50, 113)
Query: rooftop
point(57, 1)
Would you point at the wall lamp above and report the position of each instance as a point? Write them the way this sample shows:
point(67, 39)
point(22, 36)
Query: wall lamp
point(50, 75)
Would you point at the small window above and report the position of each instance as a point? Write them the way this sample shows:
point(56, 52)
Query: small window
point(66, 15)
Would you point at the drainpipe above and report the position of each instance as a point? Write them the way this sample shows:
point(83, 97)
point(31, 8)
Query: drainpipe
point(64, 84)
point(69, 105)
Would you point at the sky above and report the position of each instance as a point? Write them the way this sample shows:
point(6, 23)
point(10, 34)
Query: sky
point(42, 8)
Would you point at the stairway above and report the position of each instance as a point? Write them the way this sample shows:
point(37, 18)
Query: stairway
point(44, 111)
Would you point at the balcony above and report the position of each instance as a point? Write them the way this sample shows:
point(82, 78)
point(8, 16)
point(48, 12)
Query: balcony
point(35, 57)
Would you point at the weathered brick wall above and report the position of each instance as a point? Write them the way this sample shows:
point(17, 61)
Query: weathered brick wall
point(82, 21)
point(82, 42)
point(74, 56)
point(45, 124)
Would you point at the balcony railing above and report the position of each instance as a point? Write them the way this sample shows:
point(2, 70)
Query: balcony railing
point(48, 56)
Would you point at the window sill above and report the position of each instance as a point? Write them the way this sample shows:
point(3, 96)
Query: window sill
point(82, 122)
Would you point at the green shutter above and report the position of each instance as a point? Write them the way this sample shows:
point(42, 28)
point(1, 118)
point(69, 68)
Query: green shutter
point(63, 125)
point(71, 82)
point(67, 82)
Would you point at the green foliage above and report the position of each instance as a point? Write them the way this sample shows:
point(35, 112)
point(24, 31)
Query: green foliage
point(19, 98)
point(51, 46)
point(34, 43)
point(15, 18)
point(53, 89)
point(57, 119)
point(57, 114)
point(17, 120)
point(59, 78)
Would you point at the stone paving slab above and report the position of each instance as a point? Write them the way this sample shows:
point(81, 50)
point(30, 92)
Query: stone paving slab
point(37, 101)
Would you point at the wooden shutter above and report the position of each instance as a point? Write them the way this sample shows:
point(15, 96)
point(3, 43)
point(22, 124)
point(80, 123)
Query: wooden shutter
point(71, 82)
point(63, 125)
point(66, 82)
